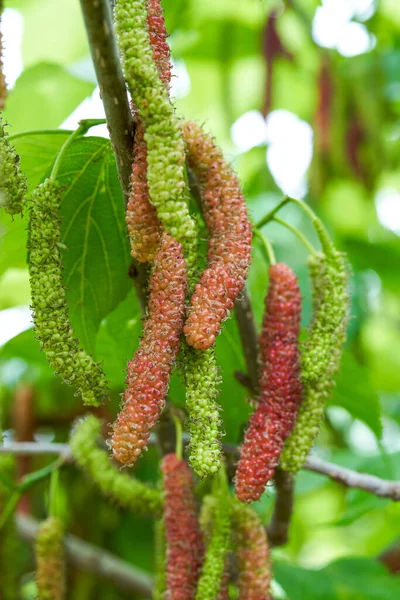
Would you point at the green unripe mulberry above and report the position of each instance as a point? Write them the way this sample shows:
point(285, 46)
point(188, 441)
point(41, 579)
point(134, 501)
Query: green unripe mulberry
point(50, 562)
point(212, 573)
point(165, 146)
point(120, 487)
point(50, 312)
point(201, 379)
point(322, 350)
point(13, 187)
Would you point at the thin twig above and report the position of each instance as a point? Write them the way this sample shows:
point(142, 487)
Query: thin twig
point(248, 337)
point(363, 481)
point(95, 560)
point(278, 529)
point(352, 479)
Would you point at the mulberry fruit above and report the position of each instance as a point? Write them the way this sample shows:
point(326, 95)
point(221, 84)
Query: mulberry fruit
point(50, 312)
point(162, 134)
point(252, 554)
point(229, 246)
point(202, 379)
point(275, 415)
point(143, 224)
point(213, 570)
point(321, 353)
point(13, 186)
point(184, 540)
point(50, 562)
point(150, 369)
point(119, 487)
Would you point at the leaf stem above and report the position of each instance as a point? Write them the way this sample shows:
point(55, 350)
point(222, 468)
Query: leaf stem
point(297, 233)
point(267, 246)
point(82, 128)
point(179, 437)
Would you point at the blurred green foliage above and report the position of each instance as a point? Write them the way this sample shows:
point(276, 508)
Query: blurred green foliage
point(222, 57)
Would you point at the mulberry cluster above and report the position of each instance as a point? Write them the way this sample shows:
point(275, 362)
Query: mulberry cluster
point(150, 369)
point(202, 379)
point(184, 540)
point(10, 550)
point(321, 354)
point(276, 413)
point(13, 186)
point(143, 224)
point(50, 312)
point(162, 134)
point(252, 553)
point(50, 563)
point(230, 239)
point(119, 487)
point(213, 570)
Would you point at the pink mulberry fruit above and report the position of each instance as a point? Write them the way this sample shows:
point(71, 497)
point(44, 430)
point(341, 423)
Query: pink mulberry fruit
point(229, 246)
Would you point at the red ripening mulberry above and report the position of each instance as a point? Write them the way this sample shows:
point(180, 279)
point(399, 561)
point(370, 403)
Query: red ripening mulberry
point(150, 369)
point(252, 555)
point(182, 531)
point(281, 391)
point(144, 227)
point(229, 246)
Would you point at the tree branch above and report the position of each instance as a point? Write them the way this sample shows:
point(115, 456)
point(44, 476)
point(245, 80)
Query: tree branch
point(94, 560)
point(99, 27)
point(362, 481)
point(248, 337)
point(278, 529)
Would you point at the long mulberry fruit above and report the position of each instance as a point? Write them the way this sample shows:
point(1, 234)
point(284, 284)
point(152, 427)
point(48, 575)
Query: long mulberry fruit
point(252, 554)
point(202, 379)
point(184, 540)
point(13, 186)
point(50, 312)
point(50, 563)
point(150, 369)
point(321, 353)
point(207, 517)
point(143, 224)
point(213, 569)
point(229, 246)
point(162, 134)
point(119, 487)
point(276, 413)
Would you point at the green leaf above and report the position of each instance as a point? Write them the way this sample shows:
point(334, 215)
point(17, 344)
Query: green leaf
point(37, 150)
point(44, 96)
point(118, 338)
point(355, 392)
point(93, 230)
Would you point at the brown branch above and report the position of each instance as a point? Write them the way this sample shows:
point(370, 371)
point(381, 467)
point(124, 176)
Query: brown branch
point(363, 481)
point(248, 337)
point(94, 560)
point(99, 27)
point(278, 529)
